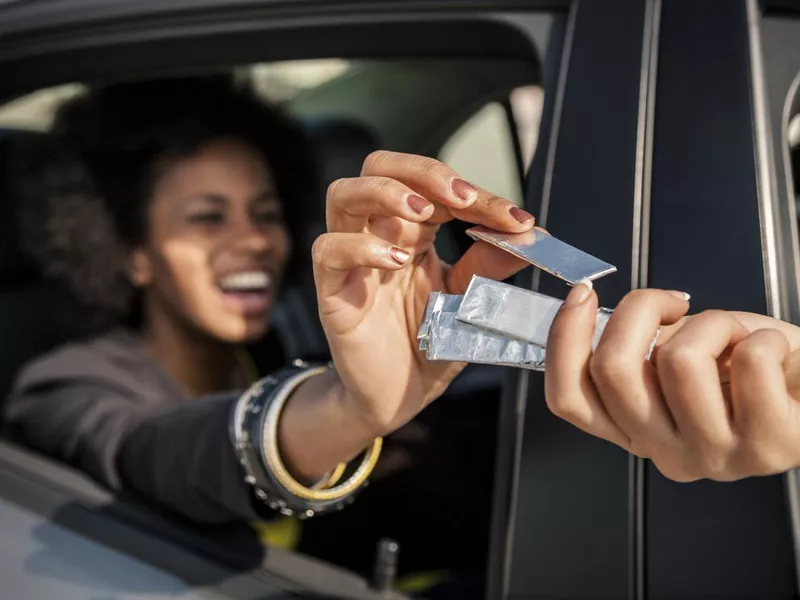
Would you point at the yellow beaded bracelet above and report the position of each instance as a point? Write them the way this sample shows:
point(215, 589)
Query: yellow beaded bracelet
point(248, 367)
point(331, 489)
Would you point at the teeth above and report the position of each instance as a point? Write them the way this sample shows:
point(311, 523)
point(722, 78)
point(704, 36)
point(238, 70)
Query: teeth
point(250, 280)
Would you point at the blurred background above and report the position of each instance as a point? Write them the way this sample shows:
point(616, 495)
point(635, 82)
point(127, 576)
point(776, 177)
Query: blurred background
point(481, 149)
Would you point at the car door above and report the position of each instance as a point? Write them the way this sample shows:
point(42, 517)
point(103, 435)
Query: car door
point(690, 193)
point(570, 523)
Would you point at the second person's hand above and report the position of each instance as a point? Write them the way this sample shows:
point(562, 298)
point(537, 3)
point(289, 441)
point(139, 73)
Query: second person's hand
point(712, 403)
point(377, 265)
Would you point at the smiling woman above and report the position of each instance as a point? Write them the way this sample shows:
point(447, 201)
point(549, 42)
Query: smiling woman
point(217, 243)
point(167, 210)
point(176, 197)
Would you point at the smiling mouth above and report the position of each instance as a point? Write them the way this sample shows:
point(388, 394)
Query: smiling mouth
point(247, 292)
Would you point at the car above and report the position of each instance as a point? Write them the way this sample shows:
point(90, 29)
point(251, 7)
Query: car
point(658, 135)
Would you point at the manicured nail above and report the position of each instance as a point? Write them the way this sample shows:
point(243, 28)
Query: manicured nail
point(520, 215)
point(417, 203)
point(399, 255)
point(580, 293)
point(467, 192)
point(680, 295)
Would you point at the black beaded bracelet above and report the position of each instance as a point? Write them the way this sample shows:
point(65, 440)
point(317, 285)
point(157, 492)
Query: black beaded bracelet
point(254, 437)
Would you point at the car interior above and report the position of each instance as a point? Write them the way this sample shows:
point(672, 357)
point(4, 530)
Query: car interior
point(449, 108)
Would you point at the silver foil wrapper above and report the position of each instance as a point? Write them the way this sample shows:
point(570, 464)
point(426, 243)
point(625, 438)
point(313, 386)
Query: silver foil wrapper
point(495, 323)
point(549, 253)
point(515, 312)
point(443, 337)
point(499, 324)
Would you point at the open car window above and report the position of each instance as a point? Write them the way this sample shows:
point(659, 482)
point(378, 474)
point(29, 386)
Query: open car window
point(444, 105)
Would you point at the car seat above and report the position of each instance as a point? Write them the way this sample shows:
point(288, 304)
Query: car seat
point(34, 317)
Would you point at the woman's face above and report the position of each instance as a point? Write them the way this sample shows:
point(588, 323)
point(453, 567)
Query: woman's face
point(217, 243)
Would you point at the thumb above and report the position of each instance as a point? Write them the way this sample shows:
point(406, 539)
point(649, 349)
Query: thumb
point(572, 331)
point(485, 260)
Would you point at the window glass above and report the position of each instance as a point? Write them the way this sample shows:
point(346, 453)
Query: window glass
point(277, 82)
point(794, 132)
point(482, 150)
point(282, 81)
point(526, 104)
point(35, 111)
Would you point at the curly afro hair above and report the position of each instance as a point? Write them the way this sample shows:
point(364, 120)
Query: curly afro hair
point(84, 188)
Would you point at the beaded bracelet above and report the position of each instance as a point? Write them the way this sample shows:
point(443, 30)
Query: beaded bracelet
point(254, 433)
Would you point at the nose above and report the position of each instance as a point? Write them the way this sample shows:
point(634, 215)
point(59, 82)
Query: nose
point(249, 237)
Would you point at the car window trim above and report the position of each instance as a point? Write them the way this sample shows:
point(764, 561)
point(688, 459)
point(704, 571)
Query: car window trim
point(555, 67)
point(778, 212)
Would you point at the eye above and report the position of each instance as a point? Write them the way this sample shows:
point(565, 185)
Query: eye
point(215, 217)
point(268, 216)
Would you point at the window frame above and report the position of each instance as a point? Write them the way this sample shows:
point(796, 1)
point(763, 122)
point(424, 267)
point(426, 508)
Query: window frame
point(81, 40)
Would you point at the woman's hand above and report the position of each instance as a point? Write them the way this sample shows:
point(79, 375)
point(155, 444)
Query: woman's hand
point(376, 267)
point(712, 403)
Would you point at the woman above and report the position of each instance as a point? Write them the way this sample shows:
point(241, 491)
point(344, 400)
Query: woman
point(165, 208)
point(718, 400)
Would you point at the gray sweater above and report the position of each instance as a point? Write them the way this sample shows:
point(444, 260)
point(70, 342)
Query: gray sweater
point(105, 407)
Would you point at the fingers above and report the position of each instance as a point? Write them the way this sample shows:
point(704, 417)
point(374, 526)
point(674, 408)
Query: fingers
point(688, 372)
point(569, 391)
point(351, 202)
point(612, 393)
point(335, 255)
point(440, 184)
point(624, 378)
point(761, 404)
point(496, 213)
point(753, 322)
point(426, 175)
point(678, 413)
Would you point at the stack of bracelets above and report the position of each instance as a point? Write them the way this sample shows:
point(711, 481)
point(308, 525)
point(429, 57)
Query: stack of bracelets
point(254, 434)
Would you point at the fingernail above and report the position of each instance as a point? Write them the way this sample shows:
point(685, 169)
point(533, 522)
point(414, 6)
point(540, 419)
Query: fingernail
point(417, 203)
point(680, 295)
point(579, 293)
point(399, 255)
point(467, 192)
point(520, 215)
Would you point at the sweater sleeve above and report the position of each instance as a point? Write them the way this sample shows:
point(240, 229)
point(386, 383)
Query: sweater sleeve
point(86, 411)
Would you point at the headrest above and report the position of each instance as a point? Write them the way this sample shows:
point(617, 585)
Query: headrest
point(342, 145)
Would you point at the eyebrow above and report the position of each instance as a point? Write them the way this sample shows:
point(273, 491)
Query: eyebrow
point(217, 199)
point(268, 195)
